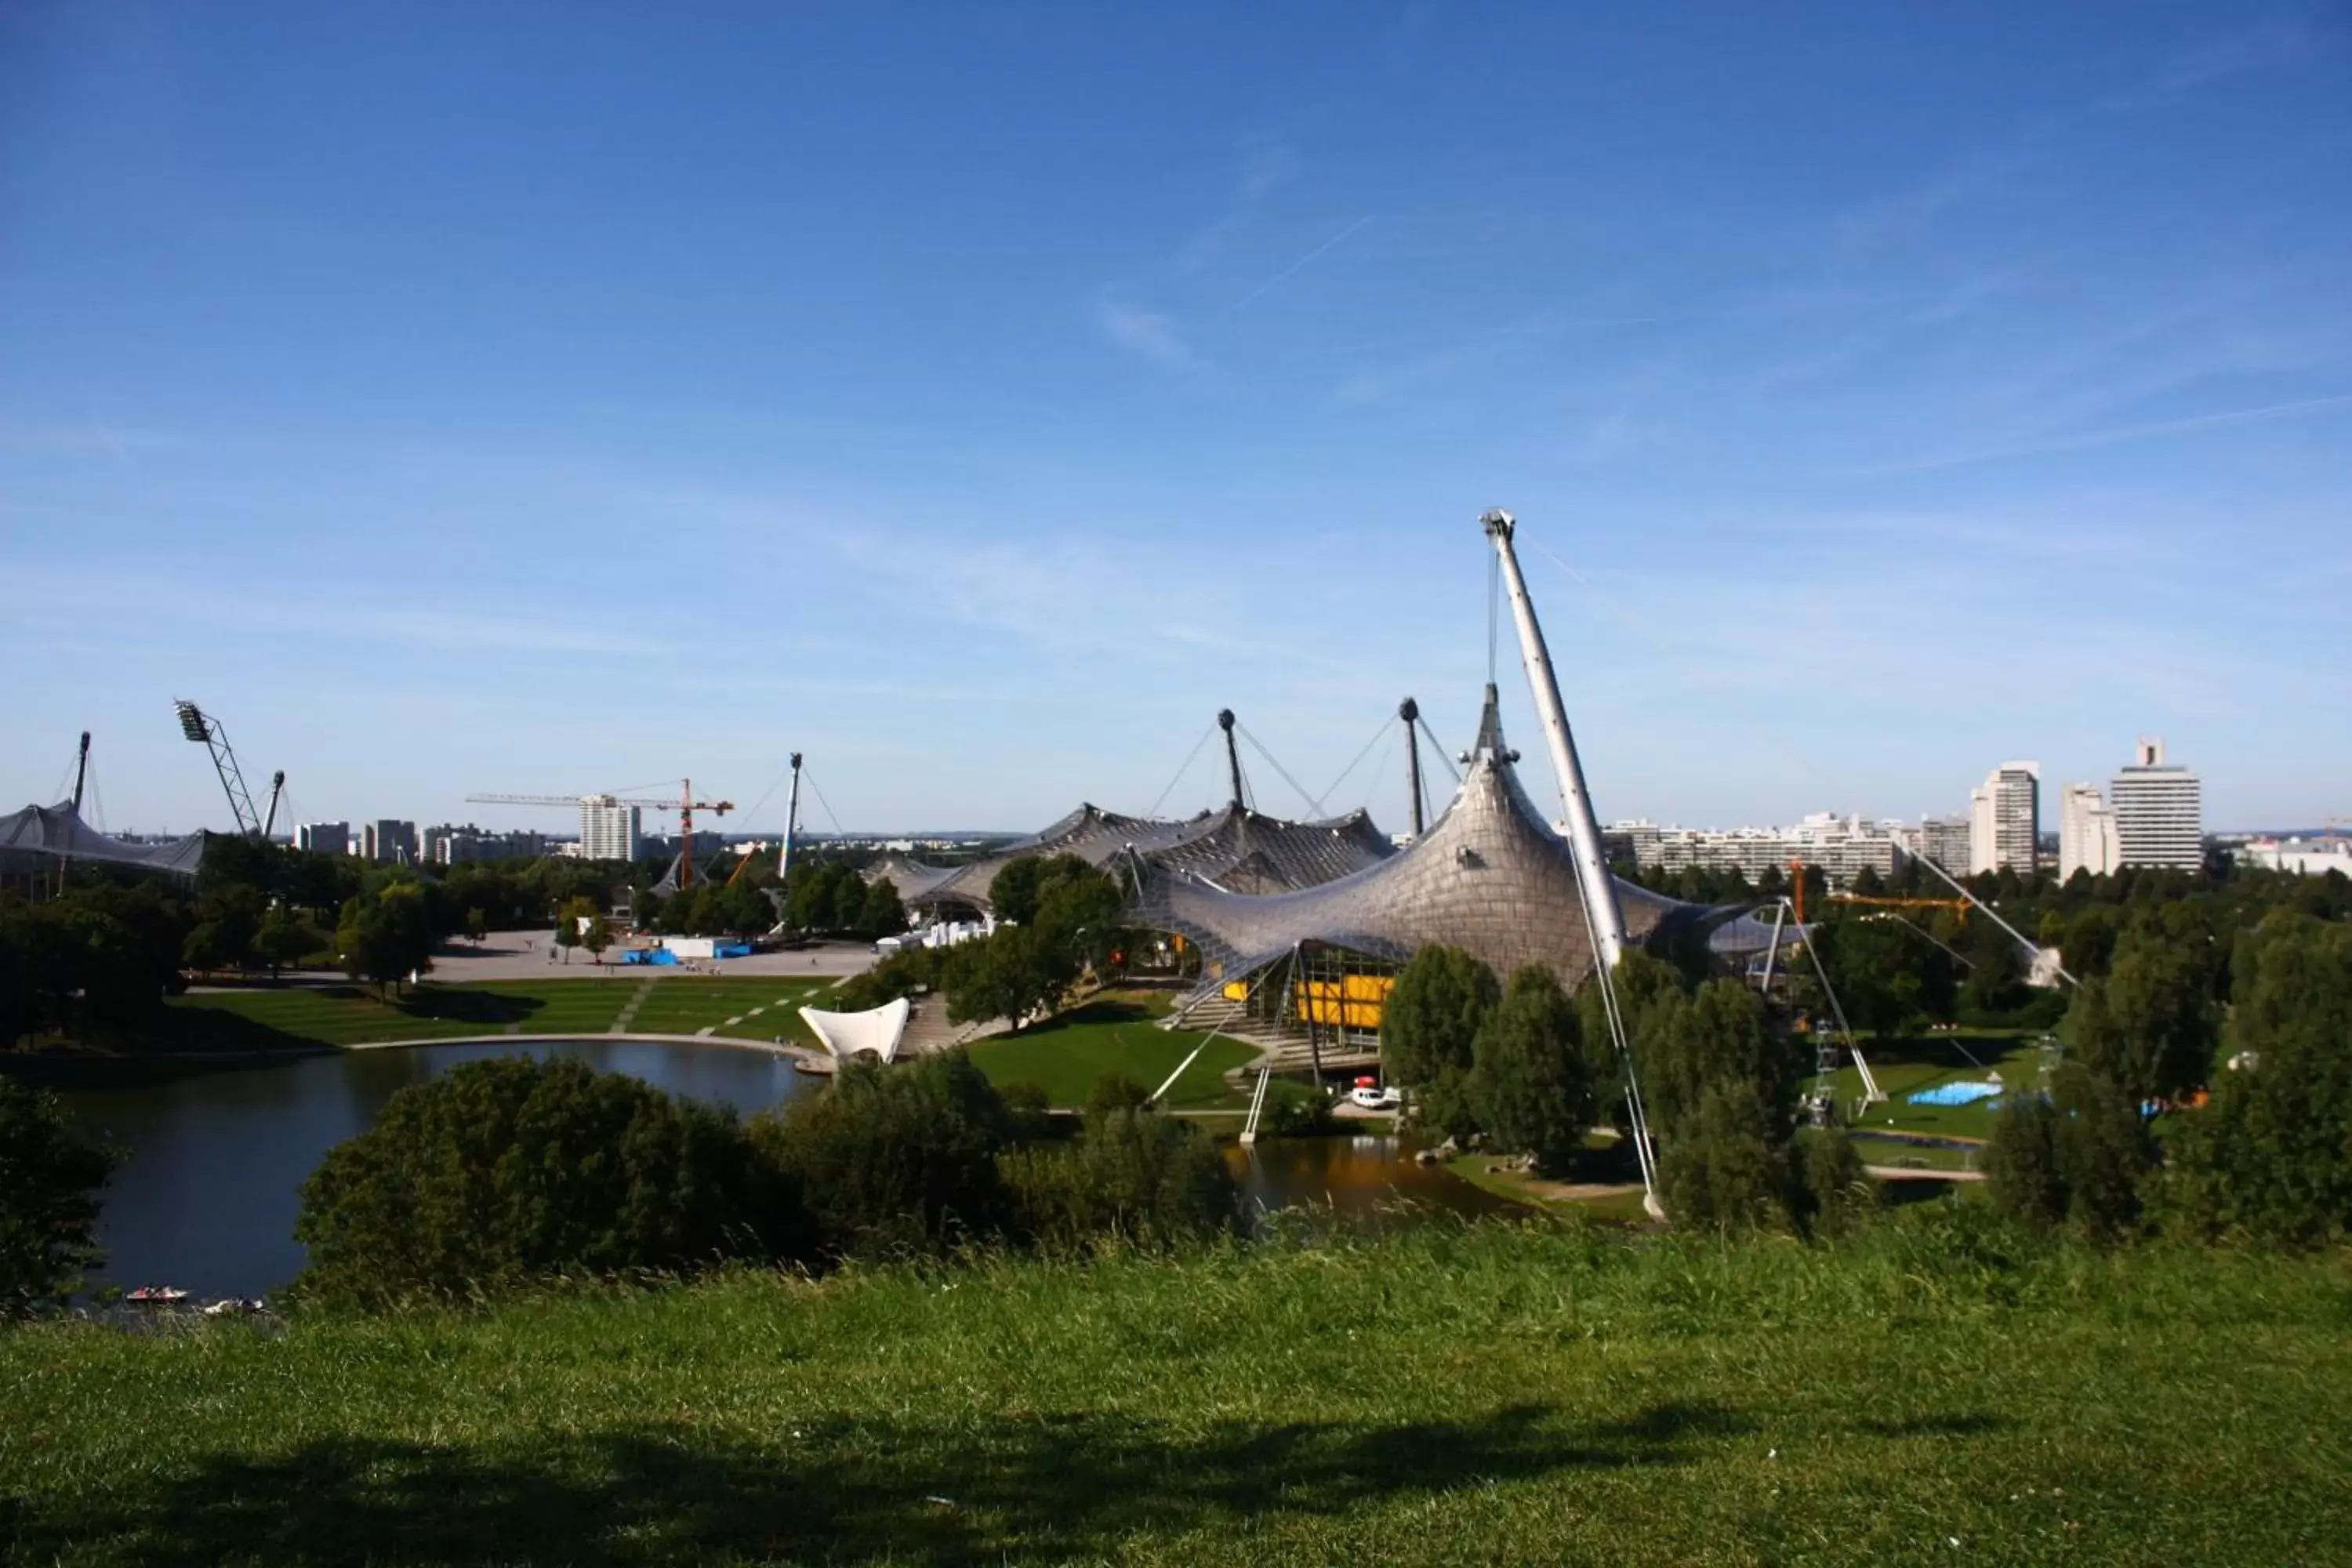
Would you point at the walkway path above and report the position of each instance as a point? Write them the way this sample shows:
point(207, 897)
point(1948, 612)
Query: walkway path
point(629, 1012)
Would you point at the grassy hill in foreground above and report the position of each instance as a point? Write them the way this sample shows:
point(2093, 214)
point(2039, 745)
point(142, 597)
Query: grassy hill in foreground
point(1485, 1394)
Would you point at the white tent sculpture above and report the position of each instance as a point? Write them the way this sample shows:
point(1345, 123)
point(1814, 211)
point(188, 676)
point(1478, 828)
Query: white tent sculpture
point(877, 1029)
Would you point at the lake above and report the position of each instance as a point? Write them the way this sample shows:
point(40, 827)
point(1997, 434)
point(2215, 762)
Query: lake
point(207, 1200)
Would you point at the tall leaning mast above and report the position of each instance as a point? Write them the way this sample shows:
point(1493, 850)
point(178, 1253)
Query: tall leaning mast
point(1583, 828)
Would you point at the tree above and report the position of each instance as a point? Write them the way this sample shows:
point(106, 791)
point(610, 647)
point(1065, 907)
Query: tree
point(2270, 1158)
point(387, 935)
point(882, 914)
point(1014, 973)
point(1527, 1081)
point(497, 1172)
point(598, 936)
point(2150, 1026)
point(1431, 1019)
point(899, 1159)
point(572, 921)
point(1878, 969)
point(1013, 892)
point(478, 924)
point(49, 1183)
point(284, 939)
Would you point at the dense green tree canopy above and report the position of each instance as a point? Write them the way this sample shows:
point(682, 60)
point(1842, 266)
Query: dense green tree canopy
point(1528, 1082)
point(896, 1159)
point(50, 1179)
point(1431, 1019)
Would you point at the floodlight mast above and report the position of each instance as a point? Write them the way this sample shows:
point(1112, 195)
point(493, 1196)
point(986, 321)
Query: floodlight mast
point(1583, 828)
point(206, 730)
point(792, 827)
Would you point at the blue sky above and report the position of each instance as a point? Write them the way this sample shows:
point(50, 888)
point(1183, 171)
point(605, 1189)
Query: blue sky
point(560, 397)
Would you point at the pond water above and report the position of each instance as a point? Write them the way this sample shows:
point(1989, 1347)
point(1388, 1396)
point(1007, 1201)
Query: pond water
point(217, 1152)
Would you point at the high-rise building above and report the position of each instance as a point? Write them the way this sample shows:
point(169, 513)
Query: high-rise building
point(2005, 819)
point(2086, 833)
point(609, 830)
point(323, 837)
point(2159, 810)
point(389, 842)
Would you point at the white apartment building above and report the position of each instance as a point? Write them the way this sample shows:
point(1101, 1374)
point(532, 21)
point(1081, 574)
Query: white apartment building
point(389, 842)
point(2159, 810)
point(323, 837)
point(1840, 846)
point(2304, 857)
point(609, 830)
point(2087, 840)
point(2005, 819)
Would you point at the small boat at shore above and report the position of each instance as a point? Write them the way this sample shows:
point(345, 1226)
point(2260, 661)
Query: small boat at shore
point(156, 1296)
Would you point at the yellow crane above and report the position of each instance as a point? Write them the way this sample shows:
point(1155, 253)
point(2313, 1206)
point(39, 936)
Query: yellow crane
point(686, 805)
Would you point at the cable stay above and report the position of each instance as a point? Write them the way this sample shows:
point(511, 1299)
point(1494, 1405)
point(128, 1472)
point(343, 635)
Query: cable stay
point(1190, 758)
point(1333, 787)
point(1445, 757)
point(810, 779)
point(1315, 805)
point(2033, 949)
point(1825, 1059)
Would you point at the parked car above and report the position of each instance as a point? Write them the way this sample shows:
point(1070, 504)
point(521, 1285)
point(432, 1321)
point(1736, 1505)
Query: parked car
point(1372, 1097)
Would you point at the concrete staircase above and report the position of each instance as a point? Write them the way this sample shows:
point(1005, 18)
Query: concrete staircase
point(1285, 1043)
point(929, 1030)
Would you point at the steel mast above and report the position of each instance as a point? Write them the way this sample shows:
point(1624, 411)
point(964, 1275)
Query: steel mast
point(1583, 828)
point(791, 826)
point(1409, 711)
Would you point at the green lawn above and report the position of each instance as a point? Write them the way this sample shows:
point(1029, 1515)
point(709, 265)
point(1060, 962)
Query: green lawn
point(1069, 1054)
point(1903, 1066)
point(581, 1004)
point(1927, 1395)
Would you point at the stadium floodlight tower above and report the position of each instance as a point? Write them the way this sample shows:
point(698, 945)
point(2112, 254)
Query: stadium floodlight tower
point(1583, 828)
point(207, 732)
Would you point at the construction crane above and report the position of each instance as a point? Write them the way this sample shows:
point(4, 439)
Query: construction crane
point(1958, 905)
point(686, 805)
point(207, 732)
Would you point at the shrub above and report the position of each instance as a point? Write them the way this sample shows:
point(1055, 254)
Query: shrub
point(899, 1159)
point(49, 1183)
point(499, 1172)
point(1723, 1166)
point(2075, 1157)
point(1137, 1176)
point(1832, 1183)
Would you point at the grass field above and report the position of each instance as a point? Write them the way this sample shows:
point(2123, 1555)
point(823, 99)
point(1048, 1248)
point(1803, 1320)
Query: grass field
point(1490, 1394)
point(1903, 1067)
point(1067, 1055)
point(586, 1005)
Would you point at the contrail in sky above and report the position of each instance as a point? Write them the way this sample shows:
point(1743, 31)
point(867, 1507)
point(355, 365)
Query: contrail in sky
point(1253, 296)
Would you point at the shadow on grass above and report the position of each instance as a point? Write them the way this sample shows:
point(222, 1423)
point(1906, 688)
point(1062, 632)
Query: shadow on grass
point(487, 1008)
point(1051, 1487)
point(1105, 1010)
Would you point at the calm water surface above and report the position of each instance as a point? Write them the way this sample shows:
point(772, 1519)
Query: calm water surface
point(207, 1198)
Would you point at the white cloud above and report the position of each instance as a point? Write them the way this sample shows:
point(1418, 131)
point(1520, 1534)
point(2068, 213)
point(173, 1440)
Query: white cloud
point(1147, 334)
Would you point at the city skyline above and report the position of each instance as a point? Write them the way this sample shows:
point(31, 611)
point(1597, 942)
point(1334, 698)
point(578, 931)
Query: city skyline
point(1880, 399)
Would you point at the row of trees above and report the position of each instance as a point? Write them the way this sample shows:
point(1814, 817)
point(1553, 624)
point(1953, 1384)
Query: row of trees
point(1532, 1070)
